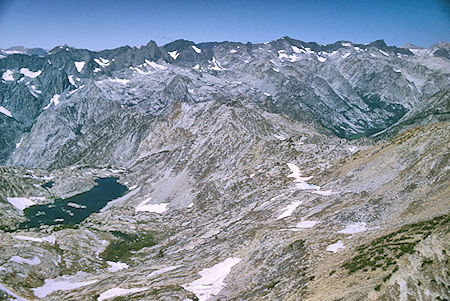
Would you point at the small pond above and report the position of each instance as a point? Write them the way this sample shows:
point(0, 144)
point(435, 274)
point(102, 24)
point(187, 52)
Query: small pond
point(74, 209)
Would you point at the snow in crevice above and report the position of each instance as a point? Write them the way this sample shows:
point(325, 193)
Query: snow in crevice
point(216, 64)
point(54, 100)
point(233, 51)
point(212, 279)
point(289, 209)
point(196, 49)
point(382, 52)
point(5, 111)
point(155, 65)
point(20, 142)
point(102, 62)
point(71, 80)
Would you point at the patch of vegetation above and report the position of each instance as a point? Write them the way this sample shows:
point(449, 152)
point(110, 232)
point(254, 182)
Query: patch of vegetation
point(384, 251)
point(122, 248)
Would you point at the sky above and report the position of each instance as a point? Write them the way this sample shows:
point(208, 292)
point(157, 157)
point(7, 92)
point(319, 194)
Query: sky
point(100, 24)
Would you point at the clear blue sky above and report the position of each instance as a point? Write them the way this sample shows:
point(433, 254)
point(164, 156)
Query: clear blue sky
point(100, 24)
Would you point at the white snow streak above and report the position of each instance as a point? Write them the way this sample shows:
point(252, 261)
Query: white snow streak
point(162, 271)
point(212, 279)
point(102, 62)
point(336, 246)
point(155, 65)
point(196, 49)
point(117, 291)
point(289, 209)
point(3, 110)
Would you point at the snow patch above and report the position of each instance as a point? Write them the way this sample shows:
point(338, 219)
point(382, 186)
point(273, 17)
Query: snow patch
point(212, 279)
point(336, 246)
point(79, 65)
point(54, 100)
point(382, 52)
point(75, 205)
point(155, 65)
point(102, 62)
point(276, 69)
point(233, 51)
point(20, 203)
point(116, 266)
point(295, 49)
point(289, 209)
point(117, 291)
point(217, 65)
point(156, 208)
point(306, 224)
point(71, 81)
point(196, 49)
point(21, 260)
point(346, 44)
point(27, 72)
point(162, 271)
point(19, 143)
point(52, 285)
point(196, 67)
point(321, 59)
point(354, 228)
point(174, 54)
point(119, 80)
point(300, 181)
point(8, 75)
point(3, 110)
point(346, 55)
point(50, 239)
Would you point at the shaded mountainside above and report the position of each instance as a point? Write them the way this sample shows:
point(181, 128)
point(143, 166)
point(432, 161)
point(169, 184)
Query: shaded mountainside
point(243, 182)
point(352, 90)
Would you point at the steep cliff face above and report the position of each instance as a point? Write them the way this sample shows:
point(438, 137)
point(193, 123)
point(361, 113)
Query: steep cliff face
point(243, 182)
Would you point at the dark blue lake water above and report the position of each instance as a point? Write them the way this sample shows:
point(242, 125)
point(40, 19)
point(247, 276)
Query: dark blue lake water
point(75, 209)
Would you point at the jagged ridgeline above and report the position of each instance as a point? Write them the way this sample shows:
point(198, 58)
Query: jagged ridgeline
point(285, 170)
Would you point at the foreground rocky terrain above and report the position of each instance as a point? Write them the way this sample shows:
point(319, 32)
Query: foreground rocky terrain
point(277, 171)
